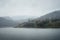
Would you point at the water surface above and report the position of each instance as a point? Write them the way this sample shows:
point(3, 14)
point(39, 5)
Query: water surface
point(29, 34)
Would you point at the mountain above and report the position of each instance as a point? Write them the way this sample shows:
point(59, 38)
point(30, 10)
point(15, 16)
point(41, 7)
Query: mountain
point(50, 20)
point(52, 15)
point(7, 22)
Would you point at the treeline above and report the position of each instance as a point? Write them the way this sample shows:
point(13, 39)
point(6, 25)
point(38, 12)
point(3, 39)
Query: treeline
point(48, 23)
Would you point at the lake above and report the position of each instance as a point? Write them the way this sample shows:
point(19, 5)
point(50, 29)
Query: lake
point(29, 34)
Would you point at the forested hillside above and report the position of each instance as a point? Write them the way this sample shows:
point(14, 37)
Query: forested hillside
point(51, 20)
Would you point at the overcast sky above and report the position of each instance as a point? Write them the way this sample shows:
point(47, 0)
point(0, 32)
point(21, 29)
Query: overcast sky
point(28, 7)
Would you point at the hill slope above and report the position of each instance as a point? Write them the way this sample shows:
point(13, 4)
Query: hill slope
point(51, 20)
point(4, 22)
point(52, 15)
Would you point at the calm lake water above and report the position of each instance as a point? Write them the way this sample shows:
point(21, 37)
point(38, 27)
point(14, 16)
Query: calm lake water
point(29, 34)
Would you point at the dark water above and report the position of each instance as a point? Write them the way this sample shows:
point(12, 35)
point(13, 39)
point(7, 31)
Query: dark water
point(29, 34)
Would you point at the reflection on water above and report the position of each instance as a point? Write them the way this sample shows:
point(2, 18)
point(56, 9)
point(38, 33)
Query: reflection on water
point(29, 34)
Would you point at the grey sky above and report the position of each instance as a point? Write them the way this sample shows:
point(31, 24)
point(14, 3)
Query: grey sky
point(28, 7)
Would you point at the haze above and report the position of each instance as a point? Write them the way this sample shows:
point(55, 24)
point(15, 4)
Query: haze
point(28, 7)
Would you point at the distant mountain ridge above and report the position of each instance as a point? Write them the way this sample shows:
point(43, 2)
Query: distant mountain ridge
point(4, 22)
point(7, 21)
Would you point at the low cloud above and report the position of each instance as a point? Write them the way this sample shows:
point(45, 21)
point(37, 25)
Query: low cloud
point(27, 7)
